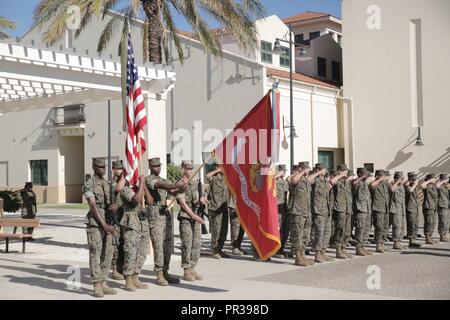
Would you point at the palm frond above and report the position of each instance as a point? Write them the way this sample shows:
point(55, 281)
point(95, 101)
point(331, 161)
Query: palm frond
point(254, 8)
point(45, 10)
point(108, 32)
point(168, 20)
point(6, 23)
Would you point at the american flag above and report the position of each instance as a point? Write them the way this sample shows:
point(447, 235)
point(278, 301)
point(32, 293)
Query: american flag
point(136, 115)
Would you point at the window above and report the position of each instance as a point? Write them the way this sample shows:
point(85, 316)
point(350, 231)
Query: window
point(299, 38)
point(336, 71)
point(369, 167)
point(339, 39)
point(266, 52)
point(322, 67)
point(327, 159)
point(39, 172)
point(313, 35)
point(284, 58)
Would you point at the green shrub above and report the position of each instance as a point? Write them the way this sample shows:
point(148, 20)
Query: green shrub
point(11, 201)
point(173, 173)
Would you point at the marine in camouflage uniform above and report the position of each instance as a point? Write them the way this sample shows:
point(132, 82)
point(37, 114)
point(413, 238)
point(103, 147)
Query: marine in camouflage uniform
point(218, 211)
point(299, 209)
point(387, 221)
point(443, 205)
point(342, 210)
point(136, 238)
point(380, 207)
point(412, 209)
point(117, 260)
point(161, 222)
point(99, 234)
point(29, 206)
point(320, 214)
point(190, 228)
point(349, 215)
point(430, 206)
point(237, 232)
point(282, 189)
point(397, 209)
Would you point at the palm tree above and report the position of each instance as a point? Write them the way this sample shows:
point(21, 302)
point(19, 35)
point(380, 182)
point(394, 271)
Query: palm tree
point(237, 17)
point(5, 24)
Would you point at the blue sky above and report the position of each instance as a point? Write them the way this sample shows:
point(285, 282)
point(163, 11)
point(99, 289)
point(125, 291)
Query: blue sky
point(21, 11)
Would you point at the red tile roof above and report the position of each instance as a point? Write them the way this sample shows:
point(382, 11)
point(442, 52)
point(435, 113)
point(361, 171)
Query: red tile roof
point(304, 16)
point(299, 77)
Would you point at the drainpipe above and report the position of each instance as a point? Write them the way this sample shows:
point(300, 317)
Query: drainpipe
point(351, 142)
point(313, 150)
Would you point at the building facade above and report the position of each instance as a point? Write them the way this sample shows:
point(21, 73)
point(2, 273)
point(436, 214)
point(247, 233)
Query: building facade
point(396, 82)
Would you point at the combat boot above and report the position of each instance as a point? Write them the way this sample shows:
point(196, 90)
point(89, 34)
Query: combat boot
point(413, 244)
point(397, 246)
point(280, 254)
point(129, 283)
point(196, 275)
point(340, 254)
point(380, 248)
point(348, 255)
point(308, 261)
point(107, 290)
point(188, 275)
point(299, 261)
point(360, 252)
point(137, 283)
point(237, 252)
point(160, 279)
point(367, 252)
point(429, 240)
point(318, 258)
point(170, 279)
point(443, 238)
point(98, 291)
point(325, 256)
point(216, 255)
point(116, 275)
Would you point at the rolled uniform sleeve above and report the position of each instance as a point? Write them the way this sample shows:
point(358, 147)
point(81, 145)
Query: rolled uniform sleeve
point(151, 182)
point(127, 194)
point(88, 189)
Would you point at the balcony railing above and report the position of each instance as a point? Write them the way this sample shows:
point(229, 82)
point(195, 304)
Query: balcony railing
point(69, 115)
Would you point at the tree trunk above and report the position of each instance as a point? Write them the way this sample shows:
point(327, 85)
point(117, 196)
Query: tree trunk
point(155, 30)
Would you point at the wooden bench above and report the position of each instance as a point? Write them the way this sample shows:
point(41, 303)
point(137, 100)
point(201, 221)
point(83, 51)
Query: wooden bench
point(17, 223)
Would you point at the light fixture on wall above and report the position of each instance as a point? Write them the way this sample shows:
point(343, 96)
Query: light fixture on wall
point(419, 141)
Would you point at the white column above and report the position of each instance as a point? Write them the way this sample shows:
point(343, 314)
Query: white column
point(156, 131)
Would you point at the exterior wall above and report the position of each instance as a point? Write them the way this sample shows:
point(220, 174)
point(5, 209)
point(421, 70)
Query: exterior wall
point(381, 85)
point(316, 121)
point(323, 26)
point(211, 93)
point(324, 47)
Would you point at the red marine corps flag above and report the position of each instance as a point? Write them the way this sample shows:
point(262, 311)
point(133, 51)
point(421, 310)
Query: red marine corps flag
point(247, 156)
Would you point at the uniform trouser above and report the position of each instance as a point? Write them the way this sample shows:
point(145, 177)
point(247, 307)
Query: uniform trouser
point(100, 253)
point(386, 227)
point(396, 220)
point(362, 225)
point(307, 231)
point(339, 219)
point(443, 221)
point(430, 216)
point(237, 232)
point(298, 226)
point(321, 231)
point(118, 255)
point(161, 235)
point(369, 227)
point(412, 222)
point(218, 225)
point(191, 240)
point(28, 213)
point(379, 219)
point(348, 227)
point(135, 246)
point(283, 222)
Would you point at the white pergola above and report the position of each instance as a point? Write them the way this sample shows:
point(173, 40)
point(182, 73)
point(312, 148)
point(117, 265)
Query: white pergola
point(35, 78)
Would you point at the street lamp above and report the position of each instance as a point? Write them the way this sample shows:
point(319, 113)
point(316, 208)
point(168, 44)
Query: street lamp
point(278, 49)
point(419, 138)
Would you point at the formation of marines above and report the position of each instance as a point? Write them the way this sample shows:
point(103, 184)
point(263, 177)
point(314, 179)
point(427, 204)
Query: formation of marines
point(317, 209)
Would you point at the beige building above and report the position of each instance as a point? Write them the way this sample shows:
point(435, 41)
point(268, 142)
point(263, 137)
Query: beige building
point(396, 57)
